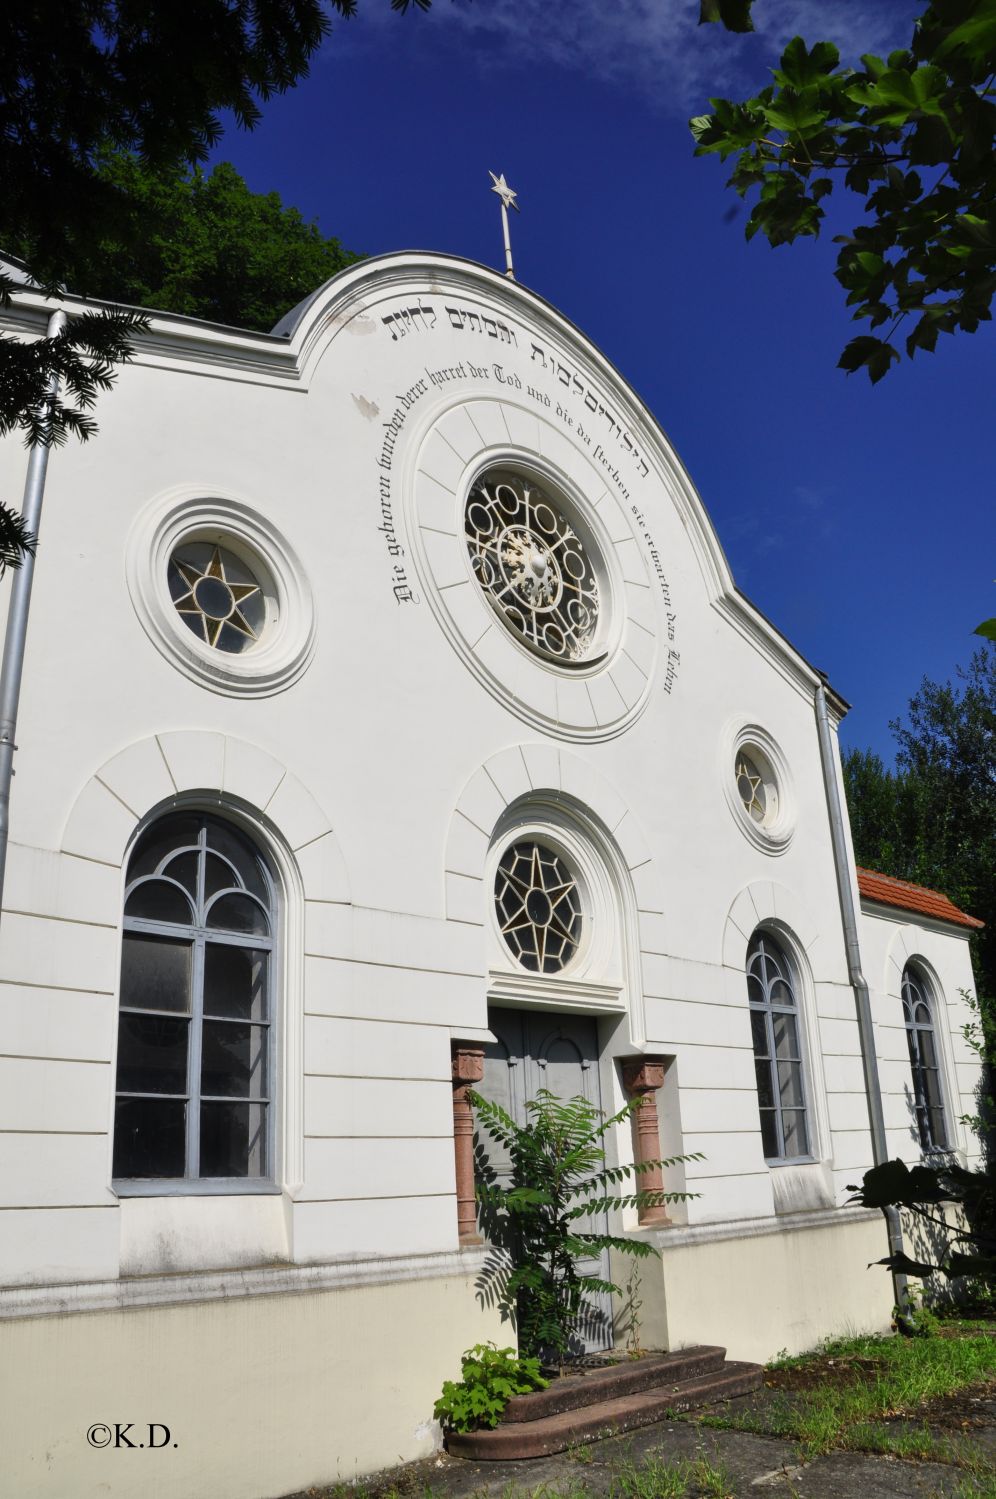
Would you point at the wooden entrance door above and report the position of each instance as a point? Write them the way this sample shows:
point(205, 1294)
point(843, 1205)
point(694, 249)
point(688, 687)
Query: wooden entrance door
point(537, 1049)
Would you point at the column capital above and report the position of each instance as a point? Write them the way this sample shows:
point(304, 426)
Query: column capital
point(467, 1062)
point(644, 1074)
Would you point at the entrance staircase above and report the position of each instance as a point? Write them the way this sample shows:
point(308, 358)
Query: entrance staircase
point(607, 1401)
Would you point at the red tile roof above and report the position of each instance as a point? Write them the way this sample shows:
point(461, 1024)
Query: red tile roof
point(889, 892)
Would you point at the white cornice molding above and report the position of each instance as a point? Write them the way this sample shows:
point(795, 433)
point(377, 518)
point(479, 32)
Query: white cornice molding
point(230, 1285)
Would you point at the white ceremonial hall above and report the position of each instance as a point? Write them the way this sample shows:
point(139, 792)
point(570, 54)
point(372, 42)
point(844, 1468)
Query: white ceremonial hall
point(391, 725)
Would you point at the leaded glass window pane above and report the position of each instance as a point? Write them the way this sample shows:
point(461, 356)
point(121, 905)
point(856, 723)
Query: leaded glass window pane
point(233, 1139)
point(194, 1015)
point(233, 1060)
point(155, 972)
point(159, 900)
point(781, 1092)
point(237, 913)
point(149, 1137)
point(159, 843)
point(152, 1053)
point(235, 982)
point(769, 1133)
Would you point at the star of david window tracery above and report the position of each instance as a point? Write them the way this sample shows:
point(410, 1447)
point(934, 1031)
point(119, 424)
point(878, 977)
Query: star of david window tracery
point(534, 568)
point(751, 789)
point(217, 597)
point(538, 905)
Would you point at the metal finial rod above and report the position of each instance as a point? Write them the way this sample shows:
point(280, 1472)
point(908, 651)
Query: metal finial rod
point(507, 197)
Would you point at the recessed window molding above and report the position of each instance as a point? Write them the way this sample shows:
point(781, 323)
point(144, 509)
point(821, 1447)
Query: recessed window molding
point(779, 1054)
point(926, 1066)
point(582, 672)
point(757, 786)
point(591, 960)
point(221, 593)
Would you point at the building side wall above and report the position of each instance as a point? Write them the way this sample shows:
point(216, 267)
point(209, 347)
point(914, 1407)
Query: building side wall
point(261, 1394)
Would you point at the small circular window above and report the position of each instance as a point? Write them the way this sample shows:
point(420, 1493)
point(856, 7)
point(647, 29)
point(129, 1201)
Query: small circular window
point(758, 787)
point(221, 593)
point(217, 596)
point(538, 905)
point(534, 565)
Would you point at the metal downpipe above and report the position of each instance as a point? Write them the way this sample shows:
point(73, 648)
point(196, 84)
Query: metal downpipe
point(17, 619)
point(862, 1000)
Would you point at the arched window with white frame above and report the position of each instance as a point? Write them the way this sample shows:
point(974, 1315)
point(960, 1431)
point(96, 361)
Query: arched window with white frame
point(195, 1057)
point(928, 1097)
point(779, 1067)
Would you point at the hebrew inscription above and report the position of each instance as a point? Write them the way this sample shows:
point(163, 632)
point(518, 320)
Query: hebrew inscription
point(571, 381)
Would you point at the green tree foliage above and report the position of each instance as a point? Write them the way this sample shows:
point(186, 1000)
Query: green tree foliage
point(933, 820)
point(912, 136)
point(545, 1221)
point(78, 81)
point(205, 246)
point(922, 1192)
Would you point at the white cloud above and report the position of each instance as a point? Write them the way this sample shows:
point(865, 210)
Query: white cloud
point(656, 46)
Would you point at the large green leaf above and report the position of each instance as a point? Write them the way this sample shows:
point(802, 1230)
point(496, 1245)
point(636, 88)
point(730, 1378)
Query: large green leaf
point(801, 67)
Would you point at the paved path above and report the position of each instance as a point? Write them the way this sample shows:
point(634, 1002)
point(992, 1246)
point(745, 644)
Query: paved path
point(753, 1467)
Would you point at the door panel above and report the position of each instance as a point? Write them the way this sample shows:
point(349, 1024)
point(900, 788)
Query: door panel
point(537, 1050)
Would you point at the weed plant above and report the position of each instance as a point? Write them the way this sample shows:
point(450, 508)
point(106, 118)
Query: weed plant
point(895, 1376)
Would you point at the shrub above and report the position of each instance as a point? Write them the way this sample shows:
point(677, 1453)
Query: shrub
point(559, 1179)
point(491, 1376)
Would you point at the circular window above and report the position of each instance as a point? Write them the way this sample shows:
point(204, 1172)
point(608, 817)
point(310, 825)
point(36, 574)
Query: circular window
point(538, 905)
point(756, 783)
point(217, 596)
point(220, 593)
point(534, 565)
point(758, 792)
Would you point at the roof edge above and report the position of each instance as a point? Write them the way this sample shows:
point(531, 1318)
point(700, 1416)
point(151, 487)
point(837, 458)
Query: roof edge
point(885, 890)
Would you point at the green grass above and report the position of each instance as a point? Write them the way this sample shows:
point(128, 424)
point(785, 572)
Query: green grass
point(894, 1377)
point(653, 1478)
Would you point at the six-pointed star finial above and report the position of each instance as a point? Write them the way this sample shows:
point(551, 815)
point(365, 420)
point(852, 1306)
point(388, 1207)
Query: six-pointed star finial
point(505, 193)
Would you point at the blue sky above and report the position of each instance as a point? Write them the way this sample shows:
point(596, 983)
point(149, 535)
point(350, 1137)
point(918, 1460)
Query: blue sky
point(859, 518)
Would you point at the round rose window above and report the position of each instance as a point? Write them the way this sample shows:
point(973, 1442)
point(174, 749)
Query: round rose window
point(538, 906)
point(536, 569)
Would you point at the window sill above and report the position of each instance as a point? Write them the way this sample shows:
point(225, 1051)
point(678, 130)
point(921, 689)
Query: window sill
point(802, 1185)
point(238, 1186)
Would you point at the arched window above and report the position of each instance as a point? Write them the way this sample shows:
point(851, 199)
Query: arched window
point(774, 1020)
point(928, 1101)
point(195, 1029)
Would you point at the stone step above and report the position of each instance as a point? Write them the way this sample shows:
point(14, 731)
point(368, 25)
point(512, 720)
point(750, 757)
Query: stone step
point(609, 1418)
point(624, 1378)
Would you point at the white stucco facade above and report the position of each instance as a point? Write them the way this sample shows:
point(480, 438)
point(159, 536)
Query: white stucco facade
point(383, 744)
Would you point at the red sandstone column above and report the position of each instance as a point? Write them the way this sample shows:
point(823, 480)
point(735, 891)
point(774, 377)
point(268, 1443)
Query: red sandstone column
point(642, 1076)
point(467, 1069)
